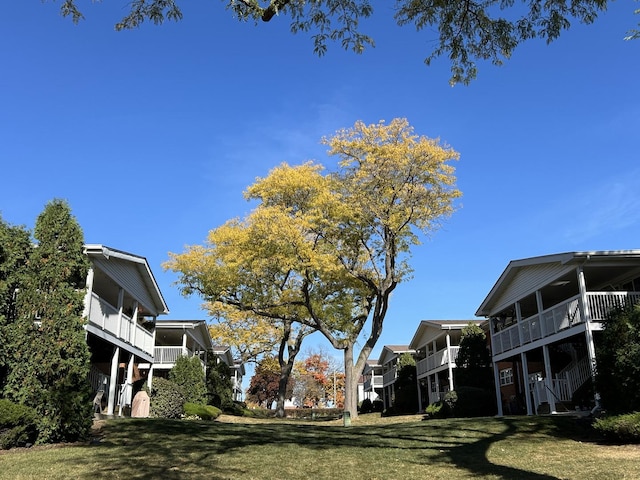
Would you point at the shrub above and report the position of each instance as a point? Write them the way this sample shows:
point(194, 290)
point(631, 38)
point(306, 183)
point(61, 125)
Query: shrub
point(17, 425)
point(235, 408)
point(205, 412)
point(437, 410)
point(367, 406)
point(188, 374)
point(624, 428)
point(378, 406)
point(167, 399)
point(471, 402)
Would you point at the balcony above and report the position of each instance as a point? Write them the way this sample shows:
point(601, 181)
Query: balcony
point(372, 383)
point(436, 360)
point(389, 377)
point(167, 356)
point(560, 317)
point(106, 317)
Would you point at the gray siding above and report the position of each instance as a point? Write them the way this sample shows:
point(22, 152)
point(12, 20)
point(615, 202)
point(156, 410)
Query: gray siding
point(128, 276)
point(527, 280)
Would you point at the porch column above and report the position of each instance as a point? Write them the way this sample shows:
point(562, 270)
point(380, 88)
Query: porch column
point(543, 327)
point(150, 378)
point(134, 322)
point(525, 374)
point(586, 317)
point(125, 399)
point(496, 383)
point(87, 298)
point(184, 342)
point(113, 381)
point(548, 380)
point(449, 362)
point(120, 307)
point(519, 322)
point(419, 393)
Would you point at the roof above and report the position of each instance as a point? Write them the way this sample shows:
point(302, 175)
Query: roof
point(545, 269)
point(442, 325)
point(389, 352)
point(140, 263)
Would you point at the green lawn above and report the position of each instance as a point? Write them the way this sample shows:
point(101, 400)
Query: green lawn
point(371, 448)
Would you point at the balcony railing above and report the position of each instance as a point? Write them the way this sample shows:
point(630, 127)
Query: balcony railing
point(389, 377)
point(370, 384)
point(437, 360)
point(169, 355)
point(560, 317)
point(105, 316)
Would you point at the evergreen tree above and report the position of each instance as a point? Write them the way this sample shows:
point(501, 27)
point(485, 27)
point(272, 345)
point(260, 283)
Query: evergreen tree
point(618, 368)
point(50, 358)
point(473, 364)
point(406, 388)
point(219, 385)
point(188, 374)
point(15, 245)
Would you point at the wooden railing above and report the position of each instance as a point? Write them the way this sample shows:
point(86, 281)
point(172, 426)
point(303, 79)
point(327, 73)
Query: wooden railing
point(105, 316)
point(560, 317)
point(437, 359)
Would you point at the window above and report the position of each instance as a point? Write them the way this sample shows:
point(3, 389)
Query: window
point(506, 376)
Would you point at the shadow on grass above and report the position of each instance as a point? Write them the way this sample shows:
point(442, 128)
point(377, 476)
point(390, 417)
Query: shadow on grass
point(155, 448)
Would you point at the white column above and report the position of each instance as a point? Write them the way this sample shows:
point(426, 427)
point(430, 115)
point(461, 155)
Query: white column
point(134, 323)
point(543, 327)
point(586, 317)
point(126, 392)
point(519, 322)
point(525, 374)
point(150, 379)
point(120, 307)
point(113, 381)
point(548, 380)
point(87, 298)
point(450, 363)
point(496, 381)
point(419, 394)
point(184, 342)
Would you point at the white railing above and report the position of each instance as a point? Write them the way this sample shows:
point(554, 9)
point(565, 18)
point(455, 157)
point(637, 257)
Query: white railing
point(574, 375)
point(436, 360)
point(105, 316)
point(601, 304)
point(164, 355)
point(389, 377)
point(560, 317)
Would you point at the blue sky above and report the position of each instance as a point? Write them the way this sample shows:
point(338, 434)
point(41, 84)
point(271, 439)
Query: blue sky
point(152, 135)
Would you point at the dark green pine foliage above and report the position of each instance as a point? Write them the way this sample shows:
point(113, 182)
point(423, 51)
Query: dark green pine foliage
point(618, 361)
point(188, 374)
point(473, 378)
point(15, 245)
point(473, 364)
point(219, 385)
point(406, 387)
point(50, 363)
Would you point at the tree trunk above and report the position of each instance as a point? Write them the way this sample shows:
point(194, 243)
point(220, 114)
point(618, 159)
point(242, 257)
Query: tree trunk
point(350, 383)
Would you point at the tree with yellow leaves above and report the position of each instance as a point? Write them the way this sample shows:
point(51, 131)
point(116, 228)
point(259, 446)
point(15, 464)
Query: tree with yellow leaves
point(326, 250)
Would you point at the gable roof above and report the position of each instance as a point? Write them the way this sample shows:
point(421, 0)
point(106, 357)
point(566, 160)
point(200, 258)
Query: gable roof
point(525, 276)
point(107, 258)
point(441, 325)
point(389, 352)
